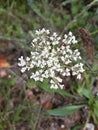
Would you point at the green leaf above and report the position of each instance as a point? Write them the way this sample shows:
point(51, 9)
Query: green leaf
point(77, 127)
point(64, 111)
point(74, 10)
point(63, 93)
point(1, 127)
point(87, 93)
point(31, 83)
point(45, 85)
point(17, 116)
point(67, 2)
point(96, 108)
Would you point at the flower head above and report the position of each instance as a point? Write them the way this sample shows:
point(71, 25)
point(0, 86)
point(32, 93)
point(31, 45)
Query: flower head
point(50, 54)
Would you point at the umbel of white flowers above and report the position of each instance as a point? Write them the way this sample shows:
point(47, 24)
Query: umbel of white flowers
point(52, 53)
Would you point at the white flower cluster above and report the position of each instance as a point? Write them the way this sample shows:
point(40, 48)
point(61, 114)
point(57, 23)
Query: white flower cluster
point(50, 54)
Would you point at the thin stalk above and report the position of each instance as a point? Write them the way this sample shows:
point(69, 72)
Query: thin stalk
point(38, 117)
point(87, 121)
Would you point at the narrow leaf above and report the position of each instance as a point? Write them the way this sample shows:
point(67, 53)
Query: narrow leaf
point(64, 111)
point(87, 93)
point(46, 87)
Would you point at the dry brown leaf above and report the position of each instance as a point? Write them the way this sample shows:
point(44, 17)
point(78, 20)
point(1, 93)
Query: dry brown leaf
point(46, 100)
point(30, 94)
point(87, 42)
point(3, 62)
point(47, 104)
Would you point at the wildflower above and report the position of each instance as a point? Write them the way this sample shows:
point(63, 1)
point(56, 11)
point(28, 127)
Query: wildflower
point(50, 54)
point(22, 61)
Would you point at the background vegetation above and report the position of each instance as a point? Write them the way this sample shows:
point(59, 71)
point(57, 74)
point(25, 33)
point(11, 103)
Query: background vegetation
point(18, 18)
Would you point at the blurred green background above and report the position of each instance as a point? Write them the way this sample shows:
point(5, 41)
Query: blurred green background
point(19, 17)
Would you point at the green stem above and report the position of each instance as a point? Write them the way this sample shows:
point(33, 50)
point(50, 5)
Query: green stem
point(88, 118)
point(38, 117)
point(93, 33)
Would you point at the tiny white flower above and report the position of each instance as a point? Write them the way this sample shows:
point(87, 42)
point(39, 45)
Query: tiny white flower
point(59, 79)
point(52, 74)
point(58, 49)
point(34, 40)
point(68, 47)
point(64, 40)
point(67, 62)
point(65, 36)
point(79, 76)
point(74, 73)
point(80, 57)
point(67, 74)
point(62, 58)
point(43, 30)
point(74, 41)
point(69, 51)
point(75, 58)
point(22, 61)
point(58, 38)
point(36, 78)
point(61, 86)
point(48, 43)
point(41, 79)
point(23, 69)
point(27, 59)
point(55, 34)
point(37, 32)
point(37, 72)
point(54, 43)
point(51, 81)
point(52, 38)
point(67, 70)
point(62, 47)
point(54, 86)
point(70, 33)
point(47, 31)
